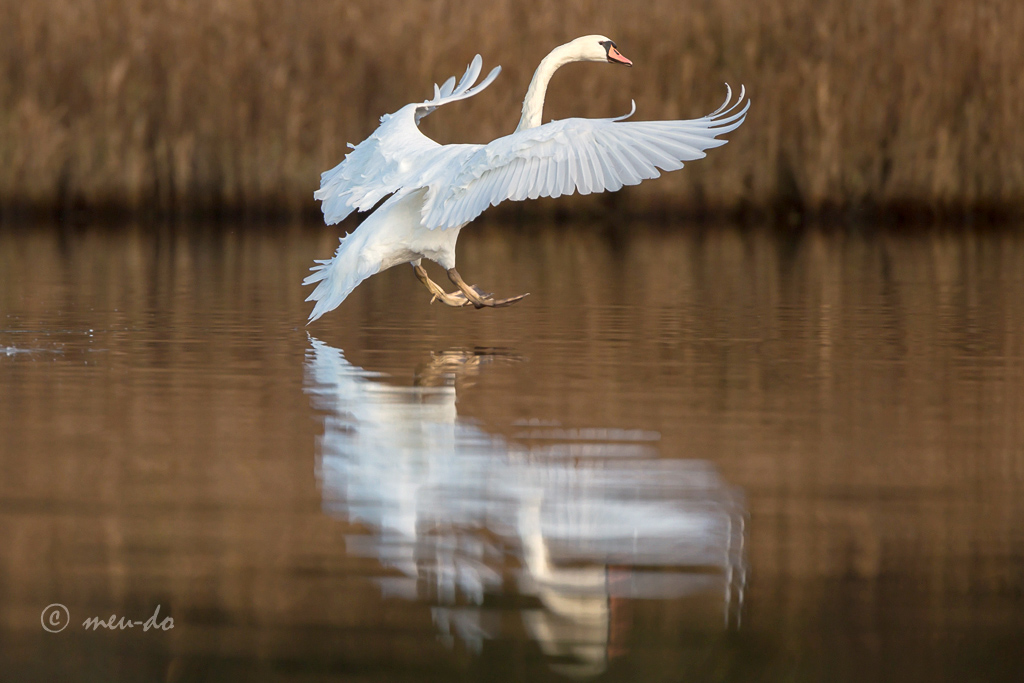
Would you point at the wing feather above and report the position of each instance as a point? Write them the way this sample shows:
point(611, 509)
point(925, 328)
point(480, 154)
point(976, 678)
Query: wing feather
point(394, 157)
point(561, 179)
point(516, 179)
point(586, 150)
point(576, 180)
point(612, 180)
point(574, 155)
point(526, 180)
point(540, 183)
point(627, 171)
point(647, 170)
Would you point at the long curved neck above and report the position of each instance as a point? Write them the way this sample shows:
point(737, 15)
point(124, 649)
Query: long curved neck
point(533, 105)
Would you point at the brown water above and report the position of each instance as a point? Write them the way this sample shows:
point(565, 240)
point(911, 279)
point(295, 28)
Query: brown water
point(725, 455)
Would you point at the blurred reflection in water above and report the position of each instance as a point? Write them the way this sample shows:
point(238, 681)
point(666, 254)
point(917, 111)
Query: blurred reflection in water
point(563, 528)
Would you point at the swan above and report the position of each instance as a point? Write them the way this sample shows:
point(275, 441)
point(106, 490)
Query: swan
point(435, 190)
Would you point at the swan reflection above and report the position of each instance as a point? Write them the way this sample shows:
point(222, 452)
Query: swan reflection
point(561, 528)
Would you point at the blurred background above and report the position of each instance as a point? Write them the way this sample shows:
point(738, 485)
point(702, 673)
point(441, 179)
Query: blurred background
point(904, 107)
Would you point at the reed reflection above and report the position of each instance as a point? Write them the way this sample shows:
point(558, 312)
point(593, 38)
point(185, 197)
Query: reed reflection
point(562, 529)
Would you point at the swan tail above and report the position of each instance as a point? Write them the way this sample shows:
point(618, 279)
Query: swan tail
point(338, 276)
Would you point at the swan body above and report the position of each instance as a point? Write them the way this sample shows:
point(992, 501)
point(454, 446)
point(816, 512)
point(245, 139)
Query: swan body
point(435, 190)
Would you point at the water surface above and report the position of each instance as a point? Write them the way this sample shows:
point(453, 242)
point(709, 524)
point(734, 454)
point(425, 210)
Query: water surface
point(703, 454)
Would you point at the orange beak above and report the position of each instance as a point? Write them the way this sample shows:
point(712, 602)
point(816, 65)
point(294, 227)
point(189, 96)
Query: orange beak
point(617, 57)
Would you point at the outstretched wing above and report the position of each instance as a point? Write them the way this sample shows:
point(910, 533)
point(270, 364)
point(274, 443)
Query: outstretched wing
point(585, 155)
point(386, 161)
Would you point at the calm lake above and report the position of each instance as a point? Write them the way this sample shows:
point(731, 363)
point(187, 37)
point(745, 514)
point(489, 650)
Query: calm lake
point(693, 453)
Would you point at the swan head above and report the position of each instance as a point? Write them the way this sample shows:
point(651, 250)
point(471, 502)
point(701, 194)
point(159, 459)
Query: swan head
point(596, 48)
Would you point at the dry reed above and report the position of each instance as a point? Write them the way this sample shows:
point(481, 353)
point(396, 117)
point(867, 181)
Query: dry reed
point(171, 105)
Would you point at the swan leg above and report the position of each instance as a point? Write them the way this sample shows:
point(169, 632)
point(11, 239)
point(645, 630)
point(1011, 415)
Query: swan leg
point(455, 299)
point(478, 297)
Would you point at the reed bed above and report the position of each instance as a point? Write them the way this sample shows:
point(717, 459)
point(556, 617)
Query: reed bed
point(181, 106)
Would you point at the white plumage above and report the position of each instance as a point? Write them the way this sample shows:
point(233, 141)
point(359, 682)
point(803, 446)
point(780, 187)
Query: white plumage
point(437, 189)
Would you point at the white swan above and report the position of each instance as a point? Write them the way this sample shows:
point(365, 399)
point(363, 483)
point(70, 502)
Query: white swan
point(437, 189)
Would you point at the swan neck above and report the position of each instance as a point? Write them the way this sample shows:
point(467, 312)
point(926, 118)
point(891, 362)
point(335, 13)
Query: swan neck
point(533, 105)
